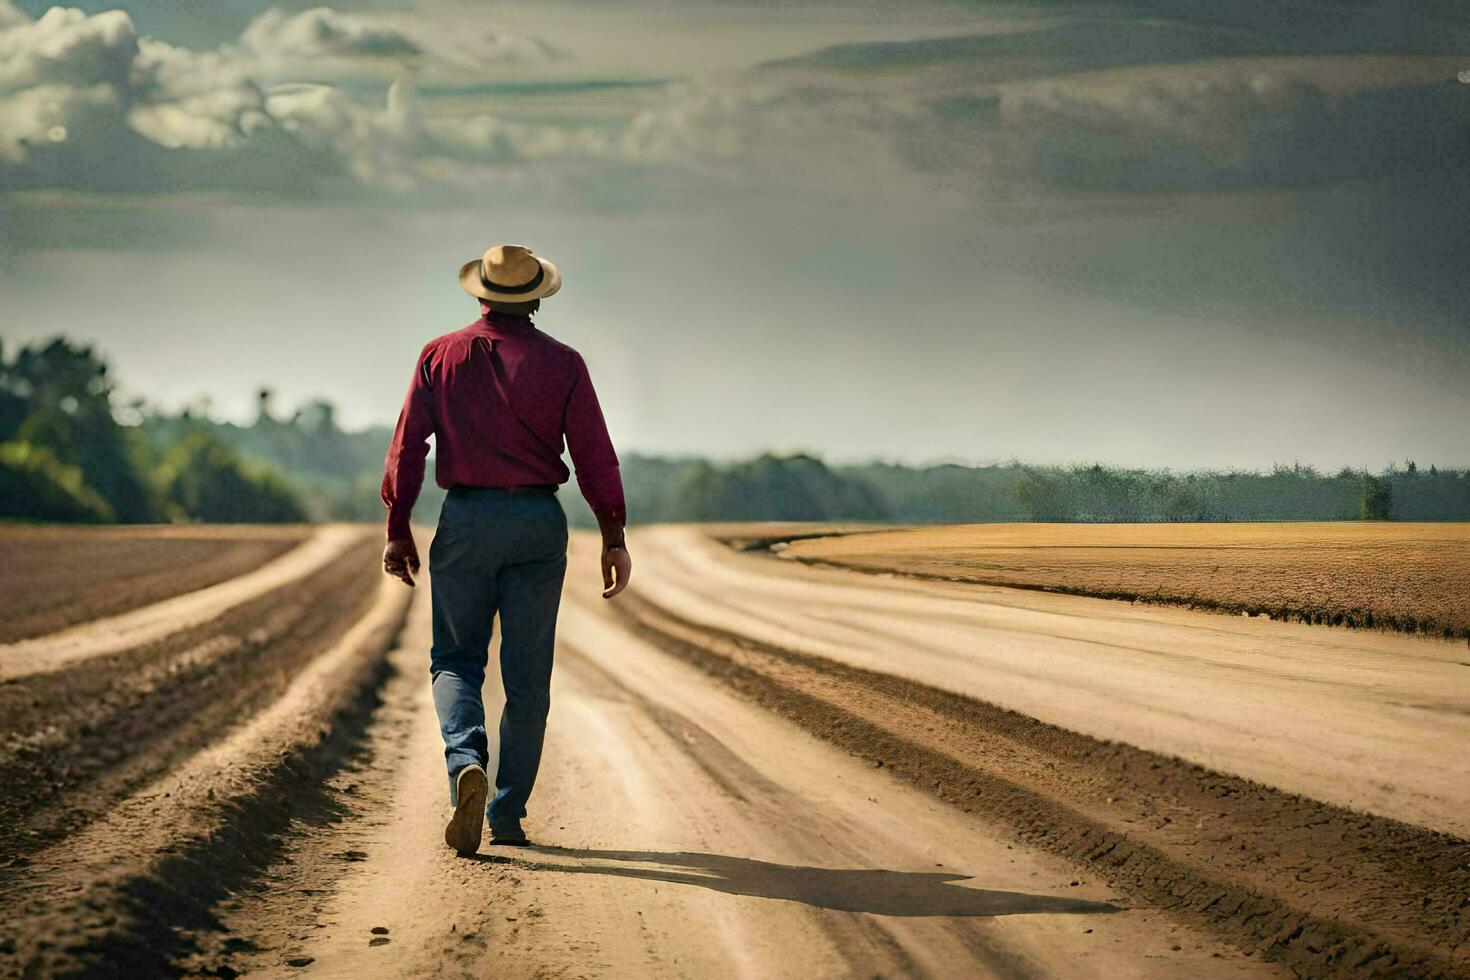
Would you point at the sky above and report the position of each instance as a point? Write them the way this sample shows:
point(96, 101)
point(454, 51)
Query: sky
point(1153, 233)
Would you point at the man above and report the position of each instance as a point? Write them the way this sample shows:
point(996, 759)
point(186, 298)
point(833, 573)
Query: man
point(499, 397)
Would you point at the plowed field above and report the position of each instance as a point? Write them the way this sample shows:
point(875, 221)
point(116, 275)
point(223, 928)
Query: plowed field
point(1413, 577)
point(753, 768)
point(54, 577)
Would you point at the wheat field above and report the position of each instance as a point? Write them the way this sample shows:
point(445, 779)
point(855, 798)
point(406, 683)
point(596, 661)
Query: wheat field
point(1412, 577)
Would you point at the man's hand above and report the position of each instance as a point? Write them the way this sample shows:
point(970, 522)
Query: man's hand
point(615, 562)
point(401, 560)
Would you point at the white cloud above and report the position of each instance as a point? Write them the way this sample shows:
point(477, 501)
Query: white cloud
point(67, 47)
point(1254, 122)
point(42, 119)
point(9, 16)
point(322, 32)
point(182, 99)
point(85, 102)
point(322, 44)
point(62, 79)
point(813, 136)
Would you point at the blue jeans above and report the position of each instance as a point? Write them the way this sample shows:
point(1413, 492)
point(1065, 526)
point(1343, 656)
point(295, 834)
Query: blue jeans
point(503, 552)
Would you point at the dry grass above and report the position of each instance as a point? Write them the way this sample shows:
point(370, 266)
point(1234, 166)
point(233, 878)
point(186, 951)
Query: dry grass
point(55, 577)
point(1412, 577)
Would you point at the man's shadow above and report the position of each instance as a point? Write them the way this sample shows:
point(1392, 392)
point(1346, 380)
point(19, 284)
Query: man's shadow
point(906, 893)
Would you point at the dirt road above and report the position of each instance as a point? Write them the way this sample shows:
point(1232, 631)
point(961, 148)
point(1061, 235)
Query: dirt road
point(753, 768)
point(1364, 719)
point(690, 833)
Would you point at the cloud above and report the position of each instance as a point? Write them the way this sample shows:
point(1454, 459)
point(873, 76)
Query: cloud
point(67, 47)
point(86, 103)
point(323, 44)
point(783, 134)
point(322, 32)
point(90, 104)
point(61, 79)
point(10, 16)
point(1247, 122)
point(1216, 126)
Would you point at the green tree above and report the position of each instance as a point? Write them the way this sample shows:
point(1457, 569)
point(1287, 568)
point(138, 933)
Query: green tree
point(1377, 498)
point(205, 481)
point(67, 395)
point(1038, 489)
point(1183, 499)
point(35, 485)
point(777, 488)
point(13, 406)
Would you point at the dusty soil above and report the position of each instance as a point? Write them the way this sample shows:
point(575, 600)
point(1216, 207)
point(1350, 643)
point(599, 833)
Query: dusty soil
point(54, 577)
point(1328, 891)
point(682, 831)
point(1365, 719)
point(1413, 577)
point(112, 723)
point(142, 786)
point(753, 768)
point(762, 535)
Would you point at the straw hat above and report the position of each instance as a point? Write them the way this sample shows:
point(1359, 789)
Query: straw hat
point(511, 274)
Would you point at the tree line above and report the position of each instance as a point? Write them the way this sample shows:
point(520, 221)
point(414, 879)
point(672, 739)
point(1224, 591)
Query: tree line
point(65, 455)
point(803, 488)
point(70, 451)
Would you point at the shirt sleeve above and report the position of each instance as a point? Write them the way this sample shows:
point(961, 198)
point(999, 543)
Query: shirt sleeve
point(403, 469)
point(594, 459)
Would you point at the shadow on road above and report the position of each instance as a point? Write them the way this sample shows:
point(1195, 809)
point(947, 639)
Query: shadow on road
point(905, 893)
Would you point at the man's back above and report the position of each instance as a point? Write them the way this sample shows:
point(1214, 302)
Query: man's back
point(503, 399)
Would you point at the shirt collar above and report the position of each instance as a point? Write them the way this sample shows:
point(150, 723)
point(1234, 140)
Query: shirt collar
point(505, 322)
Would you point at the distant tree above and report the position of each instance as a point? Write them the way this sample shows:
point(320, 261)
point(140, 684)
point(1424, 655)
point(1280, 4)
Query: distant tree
point(13, 406)
point(263, 397)
point(68, 452)
point(1377, 498)
point(67, 395)
point(776, 488)
point(35, 485)
point(1184, 500)
point(1039, 491)
point(318, 415)
point(1101, 493)
point(205, 481)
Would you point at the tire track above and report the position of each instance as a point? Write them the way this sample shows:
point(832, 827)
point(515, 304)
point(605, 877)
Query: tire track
point(123, 895)
point(1327, 891)
point(58, 576)
point(112, 723)
point(864, 942)
point(115, 634)
point(681, 832)
point(1363, 720)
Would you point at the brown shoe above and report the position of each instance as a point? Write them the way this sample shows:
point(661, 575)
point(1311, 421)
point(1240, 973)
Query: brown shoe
point(507, 833)
point(472, 789)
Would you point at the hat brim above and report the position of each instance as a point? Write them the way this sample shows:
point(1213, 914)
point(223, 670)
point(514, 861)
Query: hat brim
point(471, 281)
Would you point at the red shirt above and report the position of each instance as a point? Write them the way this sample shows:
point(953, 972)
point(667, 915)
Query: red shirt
point(498, 397)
